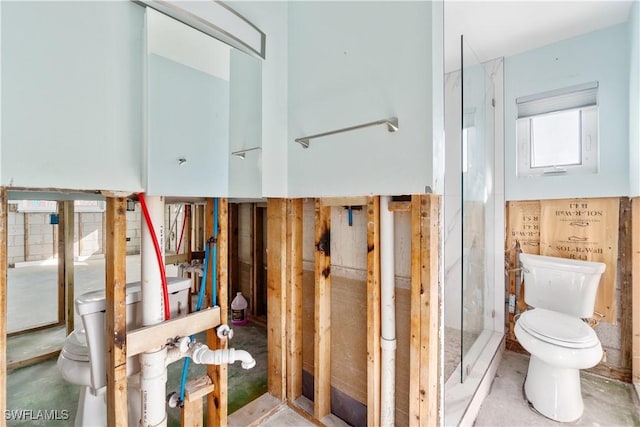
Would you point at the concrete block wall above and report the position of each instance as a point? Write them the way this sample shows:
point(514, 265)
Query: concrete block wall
point(31, 236)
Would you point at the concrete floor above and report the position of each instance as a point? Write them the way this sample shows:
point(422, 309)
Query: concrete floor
point(31, 290)
point(607, 402)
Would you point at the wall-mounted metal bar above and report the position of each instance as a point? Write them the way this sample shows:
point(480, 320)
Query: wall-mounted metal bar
point(392, 126)
point(241, 153)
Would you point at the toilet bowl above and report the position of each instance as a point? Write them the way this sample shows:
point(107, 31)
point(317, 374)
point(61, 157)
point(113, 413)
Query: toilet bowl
point(562, 292)
point(82, 358)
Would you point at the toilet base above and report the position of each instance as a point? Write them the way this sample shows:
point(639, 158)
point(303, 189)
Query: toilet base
point(554, 392)
point(92, 409)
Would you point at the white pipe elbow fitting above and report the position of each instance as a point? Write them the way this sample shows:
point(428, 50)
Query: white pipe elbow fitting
point(201, 354)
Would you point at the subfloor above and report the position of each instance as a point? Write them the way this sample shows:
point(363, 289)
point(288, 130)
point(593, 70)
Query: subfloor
point(40, 386)
point(607, 402)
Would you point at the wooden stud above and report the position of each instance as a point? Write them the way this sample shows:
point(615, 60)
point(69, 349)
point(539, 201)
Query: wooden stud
point(65, 264)
point(217, 401)
point(373, 311)
point(276, 297)
point(625, 279)
point(322, 312)
point(3, 299)
point(188, 227)
point(253, 281)
point(415, 324)
point(116, 274)
point(154, 336)
point(193, 410)
point(258, 261)
point(400, 206)
point(234, 259)
point(425, 306)
point(429, 307)
point(635, 288)
point(294, 298)
point(343, 201)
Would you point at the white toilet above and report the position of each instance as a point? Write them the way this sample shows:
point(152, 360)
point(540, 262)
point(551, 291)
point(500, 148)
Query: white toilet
point(562, 292)
point(82, 359)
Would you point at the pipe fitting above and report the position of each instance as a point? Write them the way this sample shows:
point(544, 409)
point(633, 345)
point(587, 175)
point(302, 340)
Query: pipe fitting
point(201, 354)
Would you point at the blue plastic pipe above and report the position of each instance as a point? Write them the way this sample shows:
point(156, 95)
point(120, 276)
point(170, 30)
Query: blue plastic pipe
point(214, 267)
point(203, 284)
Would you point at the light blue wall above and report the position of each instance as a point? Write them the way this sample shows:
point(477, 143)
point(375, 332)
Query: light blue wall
point(601, 56)
point(72, 95)
point(634, 100)
point(245, 125)
point(272, 17)
point(352, 63)
point(187, 117)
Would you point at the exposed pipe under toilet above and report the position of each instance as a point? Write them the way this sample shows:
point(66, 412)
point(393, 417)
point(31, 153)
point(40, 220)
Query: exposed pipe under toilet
point(387, 315)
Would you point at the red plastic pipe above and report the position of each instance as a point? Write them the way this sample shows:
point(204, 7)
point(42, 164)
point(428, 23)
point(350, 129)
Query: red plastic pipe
point(163, 274)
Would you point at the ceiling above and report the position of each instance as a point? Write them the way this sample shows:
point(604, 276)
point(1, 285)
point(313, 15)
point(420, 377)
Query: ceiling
point(504, 28)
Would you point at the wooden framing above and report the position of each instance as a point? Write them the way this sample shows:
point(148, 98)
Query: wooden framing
point(65, 264)
point(373, 311)
point(276, 297)
point(3, 299)
point(257, 261)
point(155, 336)
point(400, 206)
point(234, 262)
point(624, 277)
point(344, 201)
point(294, 298)
point(425, 307)
point(217, 401)
point(192, 413)
point(116, 272)
point(322, 312)
point(635, 291)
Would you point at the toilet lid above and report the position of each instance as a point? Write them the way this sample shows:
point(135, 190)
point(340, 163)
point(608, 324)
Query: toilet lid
point(558, 328)
point(75, 347)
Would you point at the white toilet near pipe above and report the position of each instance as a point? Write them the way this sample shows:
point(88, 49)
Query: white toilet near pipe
point(82, 359)
point(562, 292)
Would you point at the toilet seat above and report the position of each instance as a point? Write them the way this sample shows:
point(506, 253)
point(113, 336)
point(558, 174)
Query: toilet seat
point(75, 347)
point(558, 328)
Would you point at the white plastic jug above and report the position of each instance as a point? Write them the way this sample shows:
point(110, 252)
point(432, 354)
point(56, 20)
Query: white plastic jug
point(239, 310)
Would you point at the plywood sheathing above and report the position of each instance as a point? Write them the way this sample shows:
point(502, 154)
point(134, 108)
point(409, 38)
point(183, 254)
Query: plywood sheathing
point(524, 223)
point(115, 283)
point(425, 309)
point(585, 229)
point(65, 264)
point(217, 401)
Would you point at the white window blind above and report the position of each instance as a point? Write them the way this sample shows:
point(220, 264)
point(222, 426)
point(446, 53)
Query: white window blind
point(580, 96)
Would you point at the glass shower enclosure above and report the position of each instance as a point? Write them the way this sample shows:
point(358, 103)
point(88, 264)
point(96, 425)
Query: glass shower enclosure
point(470, 244)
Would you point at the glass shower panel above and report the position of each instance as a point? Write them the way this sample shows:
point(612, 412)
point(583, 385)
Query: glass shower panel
point(477, 144)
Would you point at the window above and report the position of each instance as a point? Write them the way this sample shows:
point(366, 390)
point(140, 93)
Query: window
point(557, 132)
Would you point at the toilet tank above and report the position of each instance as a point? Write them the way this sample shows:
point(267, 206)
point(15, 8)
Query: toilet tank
point(564, 285)
point(91, 307)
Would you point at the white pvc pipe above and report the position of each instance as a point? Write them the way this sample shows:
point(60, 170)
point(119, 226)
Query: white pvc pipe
point(201, 354)
point(153, 385)
point(153, 382)
point(152, 303)
point(387, 315)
